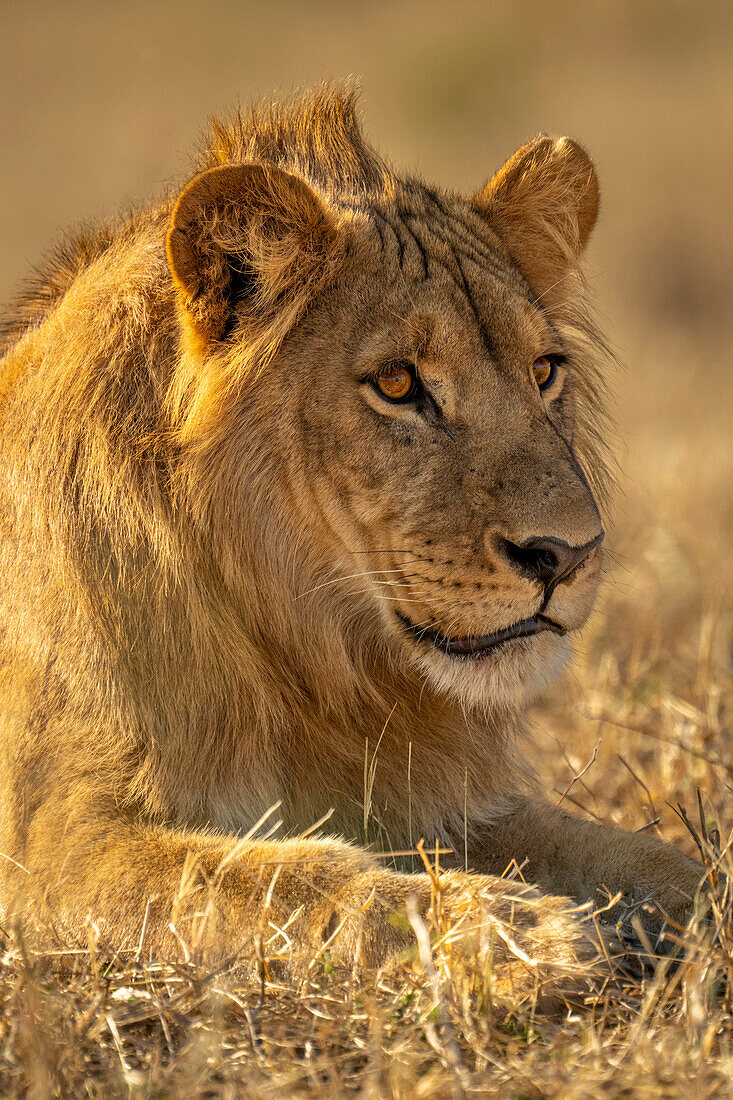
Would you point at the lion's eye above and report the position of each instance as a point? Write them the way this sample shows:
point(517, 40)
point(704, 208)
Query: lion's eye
point(544, 371)
point(396, 381)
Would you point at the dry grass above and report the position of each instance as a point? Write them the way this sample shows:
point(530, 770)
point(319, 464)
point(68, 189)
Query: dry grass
point(647, 84)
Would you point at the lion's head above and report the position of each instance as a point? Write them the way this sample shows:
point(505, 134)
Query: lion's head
point(388, 390)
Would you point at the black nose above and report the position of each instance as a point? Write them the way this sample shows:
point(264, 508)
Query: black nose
point(548, 560)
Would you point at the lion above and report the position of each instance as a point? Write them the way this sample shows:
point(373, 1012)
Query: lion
point(302, 470)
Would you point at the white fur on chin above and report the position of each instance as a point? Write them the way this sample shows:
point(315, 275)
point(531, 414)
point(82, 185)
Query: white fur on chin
point(513, 676)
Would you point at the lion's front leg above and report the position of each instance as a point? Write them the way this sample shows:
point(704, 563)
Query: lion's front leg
point(586, 861)
point(286, 901)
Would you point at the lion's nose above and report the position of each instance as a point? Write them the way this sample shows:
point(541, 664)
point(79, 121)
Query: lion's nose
point(548, 560)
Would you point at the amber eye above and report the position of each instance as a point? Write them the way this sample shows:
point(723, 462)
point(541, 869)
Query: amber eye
point(396, 381)
point(544, 371)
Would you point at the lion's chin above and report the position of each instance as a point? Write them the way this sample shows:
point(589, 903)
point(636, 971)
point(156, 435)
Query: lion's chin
point(509, 676)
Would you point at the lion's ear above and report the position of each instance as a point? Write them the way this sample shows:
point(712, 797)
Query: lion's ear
point(544, 204)
point(251, 241)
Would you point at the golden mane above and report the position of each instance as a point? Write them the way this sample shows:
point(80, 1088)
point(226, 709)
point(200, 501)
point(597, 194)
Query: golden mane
point(315, 134)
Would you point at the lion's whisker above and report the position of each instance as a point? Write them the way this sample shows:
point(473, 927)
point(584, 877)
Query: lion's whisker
point(539, 297)
point(400, 600)
point(387, 550)
point(349, 577)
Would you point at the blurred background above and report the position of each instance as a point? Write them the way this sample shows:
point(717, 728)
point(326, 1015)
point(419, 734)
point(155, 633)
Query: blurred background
point(102, 104)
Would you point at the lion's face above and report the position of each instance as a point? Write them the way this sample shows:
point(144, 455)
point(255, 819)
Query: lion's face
point(424, 391)
point(435, 434)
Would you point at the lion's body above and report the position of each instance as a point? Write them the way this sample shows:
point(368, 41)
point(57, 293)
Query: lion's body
point(186, 634)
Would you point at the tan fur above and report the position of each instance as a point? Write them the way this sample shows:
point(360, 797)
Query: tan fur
point(210, 518)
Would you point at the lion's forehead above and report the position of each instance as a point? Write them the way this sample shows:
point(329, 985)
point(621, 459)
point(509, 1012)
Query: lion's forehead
point(422, 229)
point(437, 286)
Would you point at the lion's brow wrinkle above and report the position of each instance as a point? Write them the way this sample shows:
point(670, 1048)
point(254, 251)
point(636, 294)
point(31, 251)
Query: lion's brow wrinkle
point(452, 216)
point(400, 244)
point(483, 331)
point(395, 223)
point(376, 221)
point(423, 254)
point(472, 246)
point(382, 222)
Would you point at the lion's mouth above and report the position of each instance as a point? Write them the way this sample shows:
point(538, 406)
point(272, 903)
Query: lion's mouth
point(475, 646)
